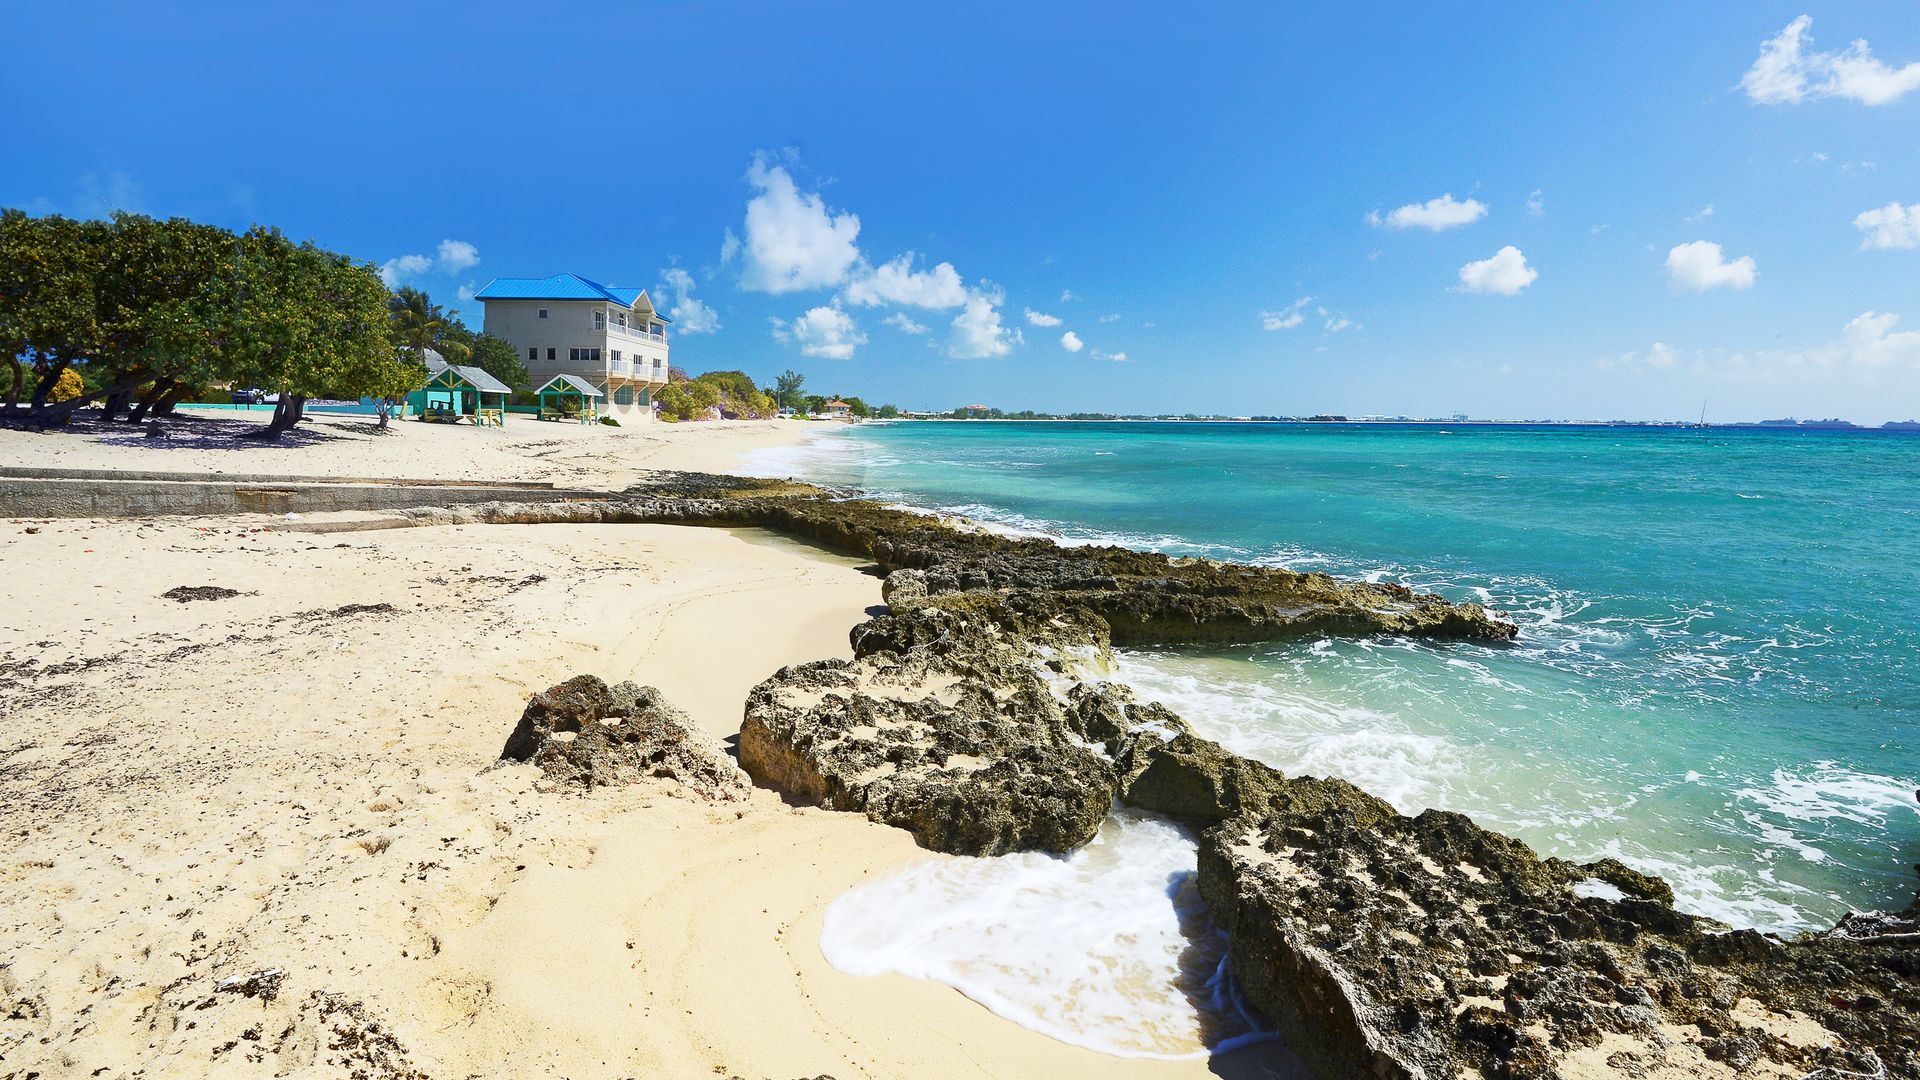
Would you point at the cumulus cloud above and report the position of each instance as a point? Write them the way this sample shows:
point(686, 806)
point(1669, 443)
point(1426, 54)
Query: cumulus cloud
point(977, 330)
point(1536, 203)
point(690, 314)
point(823, 331)
point(793, 239)
point(1788, 72)
point(1071, 342)
point(1445, 212)
point(1116, 357)
point(403, 266)
point(457, 255)
point(1704, 212)
point(1066, 296)
point(1700, 265)
point(899, 321)
point(1037, 318)
point(897, 282)
point(1337, 323)
point(1115, 317)
point(1891, 226)
point(1286, 318)
point(1506, 273)
point(465, 292)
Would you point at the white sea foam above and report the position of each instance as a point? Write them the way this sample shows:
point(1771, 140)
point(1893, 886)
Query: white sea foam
point(1108, 948)
point(1299, 734)
point(1827, 791)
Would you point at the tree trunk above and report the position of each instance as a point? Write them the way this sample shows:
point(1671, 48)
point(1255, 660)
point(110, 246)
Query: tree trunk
point(164, 407)
point(161, 388)
point(382, 408)
point(19, 380)
point(286, 413)
point(47, 379)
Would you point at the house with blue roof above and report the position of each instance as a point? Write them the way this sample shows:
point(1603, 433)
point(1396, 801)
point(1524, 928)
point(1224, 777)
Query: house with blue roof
point(603, 334)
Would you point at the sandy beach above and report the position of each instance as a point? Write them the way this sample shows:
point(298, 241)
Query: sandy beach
point(304, 779)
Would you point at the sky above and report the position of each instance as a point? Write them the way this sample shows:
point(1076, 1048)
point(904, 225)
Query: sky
point(1504, 210)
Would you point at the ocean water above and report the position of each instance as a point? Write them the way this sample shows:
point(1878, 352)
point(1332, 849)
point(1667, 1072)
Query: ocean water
point(1718, 672)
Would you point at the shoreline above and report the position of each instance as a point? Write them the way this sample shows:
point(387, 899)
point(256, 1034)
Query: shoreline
point(293, 779)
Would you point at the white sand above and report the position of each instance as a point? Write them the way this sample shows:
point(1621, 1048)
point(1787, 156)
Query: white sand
point(204, 790)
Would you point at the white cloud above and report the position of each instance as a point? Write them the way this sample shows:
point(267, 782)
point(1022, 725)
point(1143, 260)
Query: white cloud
point(1867, 346)
point(1066, 296)
point(1704, 212)
point(1891, 226)
point(465, 292)
point(977, 332)
point(1785, 74)
point(1036, 318)
point(897, 282)
point(1338, 323)
point(1116, 357)
point(457, 255)
point(1115, 317)
point(1536, 203)
point(729, 246)
point(1700, 265)
point(689, 314)
point(1286, 318)
point(1444, 212)
point(1504, 274)
point(899, 321)
point(403, 266)
point(793, 240)
point(1071, 342)
point(823, 331)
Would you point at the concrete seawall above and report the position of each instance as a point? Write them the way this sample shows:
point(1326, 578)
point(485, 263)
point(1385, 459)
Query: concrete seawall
point(90, 493)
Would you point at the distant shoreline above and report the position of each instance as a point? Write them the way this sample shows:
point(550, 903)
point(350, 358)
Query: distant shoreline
point(1891, 428)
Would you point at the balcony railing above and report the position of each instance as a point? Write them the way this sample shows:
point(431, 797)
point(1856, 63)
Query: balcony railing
point(636, 332)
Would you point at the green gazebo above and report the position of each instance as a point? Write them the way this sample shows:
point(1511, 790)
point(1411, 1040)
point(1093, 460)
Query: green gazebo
point(455, 392)
point(570, 397)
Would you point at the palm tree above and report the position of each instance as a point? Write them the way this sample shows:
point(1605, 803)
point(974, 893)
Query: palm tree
point(420, 324)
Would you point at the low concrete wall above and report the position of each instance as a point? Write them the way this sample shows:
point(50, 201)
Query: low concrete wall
point(61, 497)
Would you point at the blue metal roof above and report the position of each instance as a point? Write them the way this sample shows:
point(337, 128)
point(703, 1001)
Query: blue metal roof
point(557, 287)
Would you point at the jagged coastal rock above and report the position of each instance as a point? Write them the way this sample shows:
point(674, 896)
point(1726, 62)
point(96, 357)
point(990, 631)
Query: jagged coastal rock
point(1377, 944)
point(585, 734)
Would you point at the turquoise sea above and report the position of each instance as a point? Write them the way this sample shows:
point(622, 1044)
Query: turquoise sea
point(1718, 672)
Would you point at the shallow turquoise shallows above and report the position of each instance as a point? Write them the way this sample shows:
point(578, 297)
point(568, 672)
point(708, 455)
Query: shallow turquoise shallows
point(1718, 671)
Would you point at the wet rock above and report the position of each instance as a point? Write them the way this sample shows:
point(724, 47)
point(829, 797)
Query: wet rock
point(586, 734)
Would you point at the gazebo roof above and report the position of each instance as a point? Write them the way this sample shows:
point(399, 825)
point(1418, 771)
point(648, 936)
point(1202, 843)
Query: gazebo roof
point(448, 375)
point(565, 383)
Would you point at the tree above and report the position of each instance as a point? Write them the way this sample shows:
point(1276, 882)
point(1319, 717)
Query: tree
point(688, 399)
point(813, 404)
point(420, 324)
point(737, 394)
point(887, 412)
point(307, 322)
point(498, 358)
point(786, 389)
point(48, 316)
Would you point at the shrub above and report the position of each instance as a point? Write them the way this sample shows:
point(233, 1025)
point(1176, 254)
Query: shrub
point(67, 387)
point(609, 421)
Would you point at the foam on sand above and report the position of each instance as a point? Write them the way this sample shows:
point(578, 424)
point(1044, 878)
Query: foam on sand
point(1108, 948)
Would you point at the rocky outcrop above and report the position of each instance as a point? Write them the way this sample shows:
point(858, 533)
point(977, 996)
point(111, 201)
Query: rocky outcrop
point(586, 734)
point(1428, 947)
point(937, 728)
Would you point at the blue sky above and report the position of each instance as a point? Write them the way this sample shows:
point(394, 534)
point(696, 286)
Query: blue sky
point(1168, 189)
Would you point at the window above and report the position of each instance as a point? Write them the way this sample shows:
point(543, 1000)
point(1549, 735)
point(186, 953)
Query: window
point(616, 356)
point(543, 314)
point(573, 356)
point(595, 358)
point(623, 396)
point(646, 398)
point(549, 354)
point(533, 354)
point(585, 356)
point(599, 320)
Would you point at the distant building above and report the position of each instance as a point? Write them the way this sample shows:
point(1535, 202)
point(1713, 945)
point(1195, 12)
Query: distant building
point(567, 325)
point(977, 410)
point(837, 409)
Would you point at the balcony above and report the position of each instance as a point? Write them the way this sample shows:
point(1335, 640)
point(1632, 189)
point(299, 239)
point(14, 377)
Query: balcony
point(635, 333)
